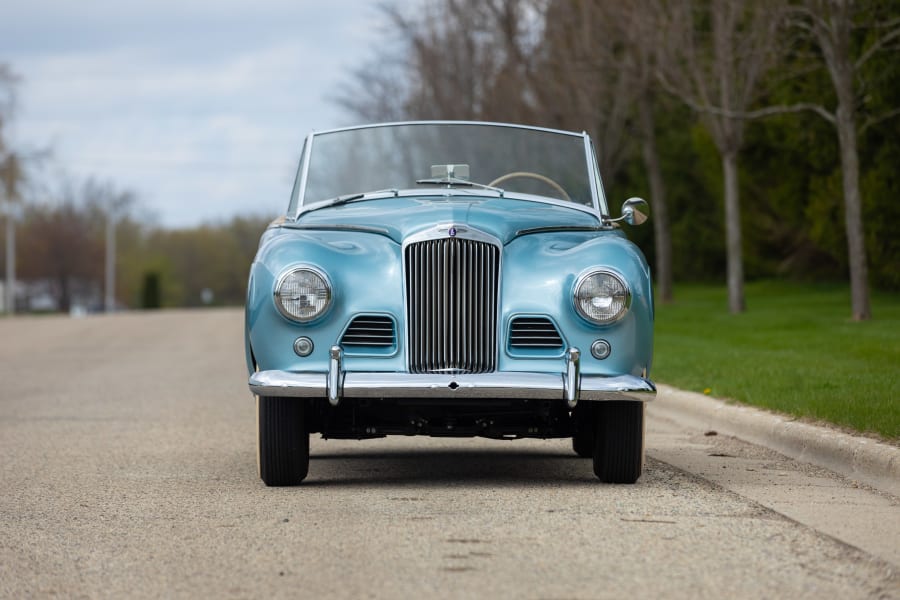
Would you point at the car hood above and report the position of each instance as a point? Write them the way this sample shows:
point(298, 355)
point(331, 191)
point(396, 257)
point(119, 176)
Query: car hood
point(400, 218)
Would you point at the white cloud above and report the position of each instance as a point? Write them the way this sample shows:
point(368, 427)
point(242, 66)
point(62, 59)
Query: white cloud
point(203, 115)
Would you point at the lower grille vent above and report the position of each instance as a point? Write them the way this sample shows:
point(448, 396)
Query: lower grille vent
point(534, 332)
point(369, 330)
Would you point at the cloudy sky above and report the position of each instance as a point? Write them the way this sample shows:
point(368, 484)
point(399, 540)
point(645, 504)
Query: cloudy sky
point(198, 106)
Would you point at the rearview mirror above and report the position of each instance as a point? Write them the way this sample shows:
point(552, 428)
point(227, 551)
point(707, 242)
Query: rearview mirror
point(450, 171)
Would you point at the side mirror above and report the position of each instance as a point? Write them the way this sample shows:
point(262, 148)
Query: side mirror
point(635, 211)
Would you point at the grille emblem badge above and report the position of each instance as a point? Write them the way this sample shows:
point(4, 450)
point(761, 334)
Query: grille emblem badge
point(452, 230)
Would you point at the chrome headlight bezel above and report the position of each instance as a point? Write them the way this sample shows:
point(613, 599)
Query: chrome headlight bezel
point(326, 286)
point(620, 298)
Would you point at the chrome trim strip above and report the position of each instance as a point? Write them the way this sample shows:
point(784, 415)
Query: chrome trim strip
point(337, 227)
point(589, 157)
point(559, 229)
point(603, 205)
point(304, 175)
point(441, 231)
point(435, 386)
point(451, 122)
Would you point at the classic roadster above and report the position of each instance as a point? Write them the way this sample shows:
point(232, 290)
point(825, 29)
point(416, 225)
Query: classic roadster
point(450, 279)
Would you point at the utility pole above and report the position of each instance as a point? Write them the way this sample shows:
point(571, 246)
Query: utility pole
point(110, 299)
point(116, 208)
point(9, 288)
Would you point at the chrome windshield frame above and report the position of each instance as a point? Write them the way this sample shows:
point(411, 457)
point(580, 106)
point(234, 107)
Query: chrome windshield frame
point(298, 200)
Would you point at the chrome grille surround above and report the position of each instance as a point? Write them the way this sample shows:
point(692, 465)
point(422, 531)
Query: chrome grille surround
point(452, 287)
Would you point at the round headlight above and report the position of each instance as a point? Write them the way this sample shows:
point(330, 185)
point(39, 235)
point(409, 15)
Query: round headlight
point(602, 297)
point(302, 294)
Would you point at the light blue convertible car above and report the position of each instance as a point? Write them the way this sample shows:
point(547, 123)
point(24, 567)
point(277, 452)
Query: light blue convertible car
point(450, 279)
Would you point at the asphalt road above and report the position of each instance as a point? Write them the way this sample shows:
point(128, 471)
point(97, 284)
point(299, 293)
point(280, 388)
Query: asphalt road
point(128, 470)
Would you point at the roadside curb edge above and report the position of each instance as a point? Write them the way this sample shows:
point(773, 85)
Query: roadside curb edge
point(868, 461)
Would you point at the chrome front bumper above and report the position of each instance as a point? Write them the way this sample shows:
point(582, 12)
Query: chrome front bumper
point(570, 386)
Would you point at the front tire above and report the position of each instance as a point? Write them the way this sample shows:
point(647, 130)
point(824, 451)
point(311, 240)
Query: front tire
point(283, 440)
point(583, 428)
point(619, 443)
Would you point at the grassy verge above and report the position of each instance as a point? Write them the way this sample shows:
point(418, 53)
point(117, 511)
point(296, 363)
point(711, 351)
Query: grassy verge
point(795, 350)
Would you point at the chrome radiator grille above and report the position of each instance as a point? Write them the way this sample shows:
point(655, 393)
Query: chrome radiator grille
point(451, 293)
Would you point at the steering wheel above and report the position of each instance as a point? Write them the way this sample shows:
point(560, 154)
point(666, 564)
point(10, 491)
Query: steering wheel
point(530, 175)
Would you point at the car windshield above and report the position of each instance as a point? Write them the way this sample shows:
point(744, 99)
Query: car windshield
point(459, 155)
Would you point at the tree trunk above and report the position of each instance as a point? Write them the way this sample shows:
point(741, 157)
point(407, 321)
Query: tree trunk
point(836, 45)
point(661, 232)
point(109, 302)
point(65, 293)
point(733, 240)
point(10, 289)
point(856, 239)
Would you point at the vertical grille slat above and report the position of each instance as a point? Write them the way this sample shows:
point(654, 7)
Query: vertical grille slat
point(452, 287)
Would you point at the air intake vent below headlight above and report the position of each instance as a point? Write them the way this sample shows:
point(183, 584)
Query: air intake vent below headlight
point(533, 332)
point(369, 330)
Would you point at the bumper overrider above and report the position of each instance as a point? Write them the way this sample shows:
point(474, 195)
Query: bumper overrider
point(337, 384)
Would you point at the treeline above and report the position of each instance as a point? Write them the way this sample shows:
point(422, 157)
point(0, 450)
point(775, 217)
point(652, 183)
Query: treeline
point(61, 256)
point(763, 132)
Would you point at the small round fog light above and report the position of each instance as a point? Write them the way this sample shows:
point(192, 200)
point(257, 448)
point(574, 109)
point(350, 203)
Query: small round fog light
point(600, 349)
point(303, 346)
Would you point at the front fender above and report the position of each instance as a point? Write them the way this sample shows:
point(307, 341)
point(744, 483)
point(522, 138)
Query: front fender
point(365, 274)
point(534, 283)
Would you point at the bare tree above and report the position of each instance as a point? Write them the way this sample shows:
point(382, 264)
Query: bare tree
point(554, 63)
point(834, 26)
point(61, 245)
point(469, 59)
point(456, 59)
point(582, 79)
point(581, 65)
point(718, 52)
point(11, 176)
point(10, 163)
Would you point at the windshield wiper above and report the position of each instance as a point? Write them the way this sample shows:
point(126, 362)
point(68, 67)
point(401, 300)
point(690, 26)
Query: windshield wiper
point(359, 196)
point(347, 198)
point(450, 181)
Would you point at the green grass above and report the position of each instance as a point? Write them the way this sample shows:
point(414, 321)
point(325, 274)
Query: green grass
point(795, 351)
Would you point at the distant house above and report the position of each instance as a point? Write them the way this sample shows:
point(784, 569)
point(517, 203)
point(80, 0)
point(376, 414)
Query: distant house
point(45, 295)
point(19, 295)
